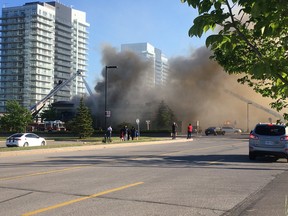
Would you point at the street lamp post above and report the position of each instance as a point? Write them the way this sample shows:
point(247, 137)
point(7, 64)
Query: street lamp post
point(248, 116)
point(107, 113)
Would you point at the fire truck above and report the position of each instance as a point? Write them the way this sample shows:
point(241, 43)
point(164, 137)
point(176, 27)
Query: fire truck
point(55, 125)
point(52, 126)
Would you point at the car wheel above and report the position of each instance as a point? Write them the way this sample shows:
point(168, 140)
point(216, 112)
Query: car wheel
point(43, 143)
point(252, 156)
point(25, 144)
point(206, 134)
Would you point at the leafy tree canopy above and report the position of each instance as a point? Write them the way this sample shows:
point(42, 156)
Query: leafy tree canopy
point(251, 39)
point(16, 118)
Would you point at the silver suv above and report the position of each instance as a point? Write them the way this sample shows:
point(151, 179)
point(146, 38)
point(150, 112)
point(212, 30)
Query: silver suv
point(268, 140)
point(231, 129)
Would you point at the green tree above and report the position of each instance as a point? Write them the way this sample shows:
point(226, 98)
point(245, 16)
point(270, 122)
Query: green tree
point(49, 114)
point(82, 122)
point(165, 116)
point(16, 118)
point(251, 40)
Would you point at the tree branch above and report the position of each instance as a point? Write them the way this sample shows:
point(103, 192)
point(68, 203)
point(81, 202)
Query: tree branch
point(241, 34)
point(254, 48)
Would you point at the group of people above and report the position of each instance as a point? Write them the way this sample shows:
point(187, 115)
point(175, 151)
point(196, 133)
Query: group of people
point(174, 131)
point(127, 134)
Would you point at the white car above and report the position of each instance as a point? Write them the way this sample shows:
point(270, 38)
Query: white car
point(231, 130)
point(25, 140)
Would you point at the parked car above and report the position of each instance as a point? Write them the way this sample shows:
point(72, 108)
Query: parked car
point(231, 130)
point(268, 140)
point(214, 131)
point(25, 140)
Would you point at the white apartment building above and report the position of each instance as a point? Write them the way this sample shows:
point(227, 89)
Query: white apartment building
point(42, 43)
point(160, 69)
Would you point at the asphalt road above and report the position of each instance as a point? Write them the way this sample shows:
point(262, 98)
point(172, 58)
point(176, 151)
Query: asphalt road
point(207, 176)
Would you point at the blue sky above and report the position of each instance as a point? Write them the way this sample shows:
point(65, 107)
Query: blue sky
point(162, 23)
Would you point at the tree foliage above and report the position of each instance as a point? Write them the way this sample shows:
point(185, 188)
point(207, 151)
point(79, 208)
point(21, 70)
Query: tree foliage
point(165, 116)
point(49, 114)
point(17, 118)
point(82, 122)
point(252, 40)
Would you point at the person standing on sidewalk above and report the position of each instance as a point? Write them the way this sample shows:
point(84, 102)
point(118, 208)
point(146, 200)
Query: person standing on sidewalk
point(189, 131)
point(174, 130)
point(109, 134)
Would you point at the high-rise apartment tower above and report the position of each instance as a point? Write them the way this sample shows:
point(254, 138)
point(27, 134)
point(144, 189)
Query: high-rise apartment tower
point(42, 44)
point(160, 69)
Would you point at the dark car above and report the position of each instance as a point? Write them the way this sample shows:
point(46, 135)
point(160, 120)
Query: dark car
point(214, 131)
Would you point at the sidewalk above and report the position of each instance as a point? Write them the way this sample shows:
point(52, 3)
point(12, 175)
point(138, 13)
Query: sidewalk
point(93, 146)
point(271, 200)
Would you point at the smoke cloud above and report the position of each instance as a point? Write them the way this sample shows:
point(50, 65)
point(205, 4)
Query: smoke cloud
point(195, 92)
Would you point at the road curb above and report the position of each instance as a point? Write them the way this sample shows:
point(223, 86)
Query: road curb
point(88, 147)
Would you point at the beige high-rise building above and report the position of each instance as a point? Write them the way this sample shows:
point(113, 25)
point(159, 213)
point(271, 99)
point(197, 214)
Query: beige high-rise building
point(160, 68)
point(42, 43)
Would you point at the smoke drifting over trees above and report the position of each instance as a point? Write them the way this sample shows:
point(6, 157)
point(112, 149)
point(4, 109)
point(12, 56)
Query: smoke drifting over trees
point(195, 91)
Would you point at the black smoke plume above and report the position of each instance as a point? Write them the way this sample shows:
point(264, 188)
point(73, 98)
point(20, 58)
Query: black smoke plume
point(195, 91)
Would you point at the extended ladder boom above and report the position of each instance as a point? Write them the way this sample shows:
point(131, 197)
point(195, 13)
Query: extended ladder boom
point(87, 86)
point(38, 106)
point(276, 114)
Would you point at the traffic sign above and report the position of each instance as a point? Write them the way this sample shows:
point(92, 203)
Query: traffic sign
point(107, 113)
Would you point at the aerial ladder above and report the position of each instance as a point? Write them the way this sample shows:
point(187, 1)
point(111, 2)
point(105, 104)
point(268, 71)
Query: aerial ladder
point(276, 114)
point(87, 86)
point(40, 104)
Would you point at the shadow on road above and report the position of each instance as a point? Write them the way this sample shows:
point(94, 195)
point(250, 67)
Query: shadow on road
point(193, 161)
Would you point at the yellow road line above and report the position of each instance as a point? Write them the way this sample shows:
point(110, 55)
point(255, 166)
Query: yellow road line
point(41, 173)
point(80, 199)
